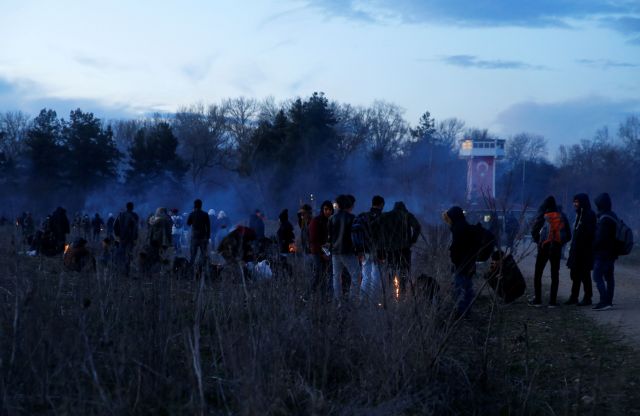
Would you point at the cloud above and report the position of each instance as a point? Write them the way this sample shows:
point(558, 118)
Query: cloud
point(541, 13)
point(199, 70)
point(566, 122)
point(29, 97)
point(471, 61)
point(606, 63)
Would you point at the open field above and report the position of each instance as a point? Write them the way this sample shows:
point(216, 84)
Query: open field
point(92, 343)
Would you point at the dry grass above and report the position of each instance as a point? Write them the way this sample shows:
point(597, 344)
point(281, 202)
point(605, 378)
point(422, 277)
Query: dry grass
point(99, 344)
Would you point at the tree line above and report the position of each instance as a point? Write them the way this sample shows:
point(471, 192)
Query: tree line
point(273, 155)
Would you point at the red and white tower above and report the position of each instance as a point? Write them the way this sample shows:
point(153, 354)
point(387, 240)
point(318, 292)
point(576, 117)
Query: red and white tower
point(481, 155)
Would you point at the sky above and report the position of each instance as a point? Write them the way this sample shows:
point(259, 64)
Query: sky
point(558, 68)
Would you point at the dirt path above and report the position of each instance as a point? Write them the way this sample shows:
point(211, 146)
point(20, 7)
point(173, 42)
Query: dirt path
point(625, 314)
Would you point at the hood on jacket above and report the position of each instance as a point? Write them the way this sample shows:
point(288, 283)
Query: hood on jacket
point(549, 204)
point(399, 206)
point(603, 202)
point(455, 214)
point(284, 215)
point(583, 201)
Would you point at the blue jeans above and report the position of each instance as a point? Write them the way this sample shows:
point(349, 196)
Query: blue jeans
point(603, 272)
point(371, 286)
point(350, 262)
point(463, 290)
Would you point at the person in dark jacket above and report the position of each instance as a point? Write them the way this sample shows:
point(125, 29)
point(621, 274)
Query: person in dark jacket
point(463, 252)
point(125, 228)
point(400, 230)
point(604, 251)
point(286, 236)
point(256, 223)
point(96, 225)
point(200, 225)
point(580, 260)
point(550, 231)
point(371, 285)
point(318, 245)
point(59, 225)
point(343, 253)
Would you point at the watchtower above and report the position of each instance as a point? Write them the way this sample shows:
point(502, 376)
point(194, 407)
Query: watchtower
point(481, 155)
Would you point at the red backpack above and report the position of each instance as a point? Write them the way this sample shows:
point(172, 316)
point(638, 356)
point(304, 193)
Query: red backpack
point(555, 229)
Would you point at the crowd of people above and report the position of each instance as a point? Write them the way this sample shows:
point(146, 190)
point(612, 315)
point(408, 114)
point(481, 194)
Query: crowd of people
point(346, 256)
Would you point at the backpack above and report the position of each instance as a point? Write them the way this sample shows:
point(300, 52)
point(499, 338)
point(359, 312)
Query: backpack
point(359, 232)
point(555, 229)
point(624, 237)
point(485, 242)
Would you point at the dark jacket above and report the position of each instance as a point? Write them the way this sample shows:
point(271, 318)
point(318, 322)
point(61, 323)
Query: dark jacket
point(200, 225)
point(370, 223)
point(464, 242)
point(59, 223)
point(605, 237)
point(340, 233)
point(584, 229)
point(548, 207)
point(318, 233)
point(126, 226)
point(257, 224)
point(285, 233)
point(399, 228)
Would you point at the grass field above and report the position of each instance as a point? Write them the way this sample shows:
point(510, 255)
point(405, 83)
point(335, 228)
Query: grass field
point(90, 343)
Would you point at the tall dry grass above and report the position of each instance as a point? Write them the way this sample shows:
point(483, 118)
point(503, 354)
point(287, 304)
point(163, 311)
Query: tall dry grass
point(98, 343)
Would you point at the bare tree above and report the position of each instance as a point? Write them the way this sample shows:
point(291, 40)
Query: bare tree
point(353, 126)
point(449, 131)
point(526, 147)
point(388, 130)
point(202, 141)
point(13, 126)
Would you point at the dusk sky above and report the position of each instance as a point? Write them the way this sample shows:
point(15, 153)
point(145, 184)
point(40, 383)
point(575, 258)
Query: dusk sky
point(560, 68)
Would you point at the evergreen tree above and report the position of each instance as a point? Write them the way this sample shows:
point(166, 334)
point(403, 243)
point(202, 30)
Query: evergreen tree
point(153, 160)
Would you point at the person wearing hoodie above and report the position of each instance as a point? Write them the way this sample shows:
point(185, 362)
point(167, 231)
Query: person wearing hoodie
point(463, 253)
point(604, 251)
point(580, 261)
point(399, 231)
point(551, 230)
point(343, 253)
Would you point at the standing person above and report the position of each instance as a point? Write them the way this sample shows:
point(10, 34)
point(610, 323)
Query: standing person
point(304, 218)
point(125, 229)
point(86, 226)
point(110, 221)
point(59, 226)
point(400, 231)
point(551, 230)
point(366, 238)
point(580, 260)
point(159, 235)
point(96, 225)
point(286, 239)
point(343, 253)
point(256, 223)
point(604, 252)
point(177, 223)
point(463, 253)
point(318, 240)
point(200, 232)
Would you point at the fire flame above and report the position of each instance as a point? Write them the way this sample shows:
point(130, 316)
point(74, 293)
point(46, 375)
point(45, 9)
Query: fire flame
point(292, 248)
point(396, 286)
point(66, 247)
